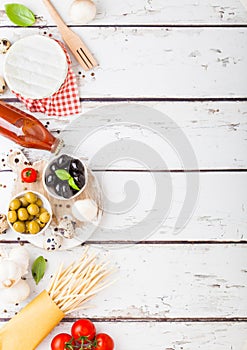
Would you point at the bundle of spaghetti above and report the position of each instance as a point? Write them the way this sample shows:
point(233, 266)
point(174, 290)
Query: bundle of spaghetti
point(78, 283)
point(69, 290)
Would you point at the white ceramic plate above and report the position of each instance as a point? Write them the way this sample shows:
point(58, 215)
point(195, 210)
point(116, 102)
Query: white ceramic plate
point(35, 67)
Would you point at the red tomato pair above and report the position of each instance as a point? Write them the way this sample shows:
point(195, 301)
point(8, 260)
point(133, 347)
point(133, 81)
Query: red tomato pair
point(83, 336)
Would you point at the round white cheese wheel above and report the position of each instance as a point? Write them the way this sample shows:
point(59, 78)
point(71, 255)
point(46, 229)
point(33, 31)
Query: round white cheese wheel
point(35, 67)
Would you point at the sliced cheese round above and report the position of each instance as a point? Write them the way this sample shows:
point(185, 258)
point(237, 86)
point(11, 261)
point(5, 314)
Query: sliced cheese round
point(35, 67)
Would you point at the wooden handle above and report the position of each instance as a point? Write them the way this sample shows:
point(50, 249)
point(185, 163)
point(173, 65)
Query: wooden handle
point(53, 12)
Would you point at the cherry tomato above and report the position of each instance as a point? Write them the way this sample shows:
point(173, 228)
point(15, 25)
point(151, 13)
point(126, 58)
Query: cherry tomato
point(104, 342)
point(83, 328)
point(62, 341)
point(29, 175)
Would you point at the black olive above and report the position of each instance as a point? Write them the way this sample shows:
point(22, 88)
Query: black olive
point(76, 165)
point(54, 167)
point(75, 173)
point(63, 161)
point(50, 179)
point(79, 180)
point(58, 187)
point(66, 190)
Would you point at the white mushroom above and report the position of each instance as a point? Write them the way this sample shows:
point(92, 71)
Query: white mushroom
point(15, 294)
point(10, 273)
point(2, 85)
point(82, 11)
point(20, 256)
point(4, 45)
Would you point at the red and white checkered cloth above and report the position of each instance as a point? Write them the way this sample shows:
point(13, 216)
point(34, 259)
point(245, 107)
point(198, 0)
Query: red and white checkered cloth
point(64, 102)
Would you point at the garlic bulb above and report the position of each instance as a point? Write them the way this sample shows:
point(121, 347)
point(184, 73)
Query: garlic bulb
point(10, 273)
point(15, 294)
point(20, 256)
point(82, 11)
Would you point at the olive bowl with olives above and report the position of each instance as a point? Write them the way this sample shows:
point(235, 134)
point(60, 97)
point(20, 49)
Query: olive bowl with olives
point(65, 177)
point(29, 212)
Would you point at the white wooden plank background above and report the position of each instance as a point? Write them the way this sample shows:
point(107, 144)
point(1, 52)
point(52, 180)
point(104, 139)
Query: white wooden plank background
point(220, 213)
point(188, 63)
point(110, 12)
point(160, 281)
point(221, 125)
point(169, 336)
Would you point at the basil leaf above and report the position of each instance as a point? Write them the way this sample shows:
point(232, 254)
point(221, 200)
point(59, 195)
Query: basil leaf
point(62, 174)
point(38, 269)
point(20, 15)
point(73, 184)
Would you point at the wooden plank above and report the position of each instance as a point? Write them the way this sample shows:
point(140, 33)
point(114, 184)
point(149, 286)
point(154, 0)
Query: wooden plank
point(160, 62)
point(161, 281)
point(110, 12)
point(221, 126)
point(168, 336)
point(220, 212)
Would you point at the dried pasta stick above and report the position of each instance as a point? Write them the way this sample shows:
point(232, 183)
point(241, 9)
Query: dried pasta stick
point(68, 290)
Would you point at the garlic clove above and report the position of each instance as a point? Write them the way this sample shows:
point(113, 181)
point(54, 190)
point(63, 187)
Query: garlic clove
point(16, 294)
point(10, 273)
point(82, 11)
point(20, 256)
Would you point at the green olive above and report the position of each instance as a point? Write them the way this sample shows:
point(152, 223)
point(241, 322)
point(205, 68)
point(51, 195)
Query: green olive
point(41, 224)
point(31, 197)
point(44, 217)
point(24, 202)
point(22, 214)
point(19, 226)
point(33, 209)
point(33, 227)
point(15, 204)
point(39, 202)
point(42, 210)
point(12, 216)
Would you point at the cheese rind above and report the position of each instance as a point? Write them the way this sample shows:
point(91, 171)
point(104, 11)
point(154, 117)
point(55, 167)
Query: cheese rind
point(35, 67)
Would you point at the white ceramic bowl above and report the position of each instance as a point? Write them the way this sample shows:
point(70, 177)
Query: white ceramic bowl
point(50, 190)
point(46, 205)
